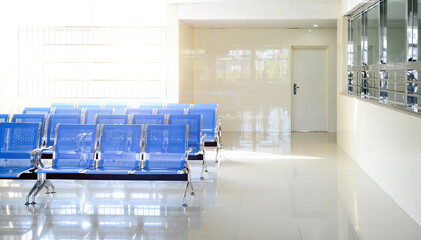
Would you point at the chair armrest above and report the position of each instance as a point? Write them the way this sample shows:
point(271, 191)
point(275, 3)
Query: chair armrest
point(187, 153)
point(40, 151)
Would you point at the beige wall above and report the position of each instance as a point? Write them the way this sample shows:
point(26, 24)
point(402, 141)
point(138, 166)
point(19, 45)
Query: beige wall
point(186, 48)
point(248, 73)
point(385, 142)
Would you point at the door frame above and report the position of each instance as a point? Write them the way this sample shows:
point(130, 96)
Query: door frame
point(327, 84)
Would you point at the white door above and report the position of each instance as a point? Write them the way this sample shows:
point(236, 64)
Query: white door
point(310, 100)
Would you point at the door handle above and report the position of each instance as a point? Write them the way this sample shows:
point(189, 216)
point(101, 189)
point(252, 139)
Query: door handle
point(295, 88)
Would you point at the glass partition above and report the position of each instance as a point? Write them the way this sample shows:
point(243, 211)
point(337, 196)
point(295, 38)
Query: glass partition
point(356, 40)
point(373, 35)
point(383, 53)
point(395, 24)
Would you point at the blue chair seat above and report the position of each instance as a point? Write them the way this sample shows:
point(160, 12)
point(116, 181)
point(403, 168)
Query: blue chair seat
point(60, 170)
point(157, 171)
point(13, 172)
point(165, 161)
point(109, 170)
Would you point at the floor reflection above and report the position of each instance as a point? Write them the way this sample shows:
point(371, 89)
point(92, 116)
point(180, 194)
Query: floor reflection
point(267, 186)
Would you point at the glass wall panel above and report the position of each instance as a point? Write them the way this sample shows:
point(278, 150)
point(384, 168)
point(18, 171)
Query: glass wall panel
point(396, 35)
point(356, 40)
point(373, 35)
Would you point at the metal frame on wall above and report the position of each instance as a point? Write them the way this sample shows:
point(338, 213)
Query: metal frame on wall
point(393, 84)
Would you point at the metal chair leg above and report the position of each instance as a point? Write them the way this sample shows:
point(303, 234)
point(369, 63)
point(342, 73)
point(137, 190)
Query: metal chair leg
point(36, 185)
point(185, 194)
point(40, 187)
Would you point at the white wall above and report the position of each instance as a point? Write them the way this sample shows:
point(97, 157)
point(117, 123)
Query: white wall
point(384, 142)
point(228, 71)
point(186, 53)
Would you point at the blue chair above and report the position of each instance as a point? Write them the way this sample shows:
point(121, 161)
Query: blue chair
point(165, 148)
point(90, 114)
point(68, 105)
point(112, 119)
point(4, 118)
point(178, 105)
point(119, 108)
point(119, 149)
point(148, 119)
point(89, 105)
point(195, 139)
point(31, 118)
point(166, 152)
point(151, 105)
point(36, 110)
point(209, 122)
point(74, 152)
point(74, 148)
point(175, 111)
point(17, 142)
point(140, 111)
point(205, 105)
point(68, 111)
point(210, 127)
point(53, 120)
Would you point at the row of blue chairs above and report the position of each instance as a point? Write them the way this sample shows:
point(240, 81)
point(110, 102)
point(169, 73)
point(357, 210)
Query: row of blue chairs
point(211, 124)
point(196, 135)
point(119, 107)
point(110, 152)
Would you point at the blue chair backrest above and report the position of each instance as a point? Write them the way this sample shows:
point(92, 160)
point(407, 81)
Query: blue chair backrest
point(54, 120)
point(195, 127)
point(68, 105)
point(165, 146)
point(17, 140)
point(31, 118)
point(36, 110)
point(68, 111)
point(112, 119)
point(120, 146)
point(176, 111)
point(148, 119)
point(205, 105)
point(209, 119)
point(178, 105)
point(90, 114)
point(75, 146)
point(4, 118)
point(119, 108)
point(151, 105)
point(140, 111)
point(89, 105)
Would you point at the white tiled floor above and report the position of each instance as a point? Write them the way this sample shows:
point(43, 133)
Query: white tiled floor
point(298, 186)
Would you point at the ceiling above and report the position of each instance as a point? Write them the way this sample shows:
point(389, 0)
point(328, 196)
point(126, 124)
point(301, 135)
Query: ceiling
point(262, 23)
